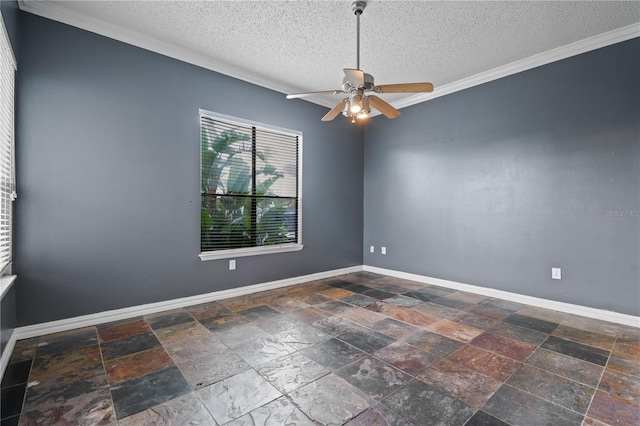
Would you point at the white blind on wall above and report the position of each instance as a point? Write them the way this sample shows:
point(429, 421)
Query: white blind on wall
point(7, 181)
point(250, 185)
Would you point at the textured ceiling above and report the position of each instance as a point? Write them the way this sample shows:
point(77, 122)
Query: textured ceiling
point(295, 46)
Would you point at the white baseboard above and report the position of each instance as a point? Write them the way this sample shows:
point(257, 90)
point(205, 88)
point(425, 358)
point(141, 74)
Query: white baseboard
point(569, 308)
point(6, 354)
point(134, 311)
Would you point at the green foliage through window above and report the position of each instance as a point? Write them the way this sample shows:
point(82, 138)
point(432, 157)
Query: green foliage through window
point(249, 186)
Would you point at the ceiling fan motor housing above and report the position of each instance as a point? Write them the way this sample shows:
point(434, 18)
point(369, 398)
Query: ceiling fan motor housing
point(349, 87)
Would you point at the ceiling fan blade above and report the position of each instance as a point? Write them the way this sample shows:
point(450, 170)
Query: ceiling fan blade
point(355, 77)
point(404, 88)
point(384, 107)
point(307, 94)
point(335, 110)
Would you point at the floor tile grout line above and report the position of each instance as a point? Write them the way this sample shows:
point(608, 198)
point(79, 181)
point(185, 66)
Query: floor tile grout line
point(582, 343)
point(286, 395)
point(373, 356)
point(348, 364)
point(463, 343)
point(596, 388)
point(584, 416)
point(255, 369)
point(24, 394)
point(556, 374)
point(560, 325)
point(497, 353)
point(523, 363)
point(552, 402)
point(104, 368)
point(153, 331)
point(195, 391)
point(604, 369)
point(479, 410)
point(394, 392)
point(427, 384)
point(503, 382)
point(394, 339)
point(33, 363)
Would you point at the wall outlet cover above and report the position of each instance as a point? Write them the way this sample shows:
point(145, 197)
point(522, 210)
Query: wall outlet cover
point(556, 273)
point(232, 265)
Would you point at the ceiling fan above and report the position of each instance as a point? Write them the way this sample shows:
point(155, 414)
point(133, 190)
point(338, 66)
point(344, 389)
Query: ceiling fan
point(358, 84)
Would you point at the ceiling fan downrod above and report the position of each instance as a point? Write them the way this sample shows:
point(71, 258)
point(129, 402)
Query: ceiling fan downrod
point(357, 84)
point(358, 8)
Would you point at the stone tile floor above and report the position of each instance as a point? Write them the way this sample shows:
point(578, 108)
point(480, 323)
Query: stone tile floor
point(359, 349)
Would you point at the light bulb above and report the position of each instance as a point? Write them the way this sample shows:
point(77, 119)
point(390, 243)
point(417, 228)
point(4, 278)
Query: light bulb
point(364, 108)
point(355, 104)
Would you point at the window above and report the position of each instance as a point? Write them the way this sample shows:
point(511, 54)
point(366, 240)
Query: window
point(7, 181)
point(250, 188)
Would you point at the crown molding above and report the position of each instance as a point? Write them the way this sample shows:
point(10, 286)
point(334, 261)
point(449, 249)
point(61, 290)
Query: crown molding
point(135, 38)
point(544, 58)
point(66, 16)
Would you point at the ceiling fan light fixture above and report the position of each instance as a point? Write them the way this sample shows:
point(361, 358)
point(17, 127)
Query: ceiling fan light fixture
point(355, 103)
point(365, 110)
point(357, 83)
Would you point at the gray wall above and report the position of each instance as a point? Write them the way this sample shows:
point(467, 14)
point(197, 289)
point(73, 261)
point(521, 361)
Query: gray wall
point(108, 160)
point(8, 319)
point(496, 184)
point(491, 186)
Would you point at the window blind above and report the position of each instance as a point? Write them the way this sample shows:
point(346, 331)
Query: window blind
point(7, 181)
point(249, 185)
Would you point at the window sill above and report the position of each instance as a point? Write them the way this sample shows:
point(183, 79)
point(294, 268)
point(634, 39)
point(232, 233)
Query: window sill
point(5, 284)
point(252, 251)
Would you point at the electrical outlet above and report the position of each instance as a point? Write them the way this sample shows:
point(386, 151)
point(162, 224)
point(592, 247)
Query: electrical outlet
point(372, 249)
point(232, 265)
point(556, 273)
point(383, 250)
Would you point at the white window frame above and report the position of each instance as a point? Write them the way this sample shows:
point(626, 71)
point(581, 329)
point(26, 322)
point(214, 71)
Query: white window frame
point(7, 141)
point(255, 251)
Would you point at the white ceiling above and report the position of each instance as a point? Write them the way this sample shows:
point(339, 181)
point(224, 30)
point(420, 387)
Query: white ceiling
point(298, 46)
